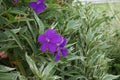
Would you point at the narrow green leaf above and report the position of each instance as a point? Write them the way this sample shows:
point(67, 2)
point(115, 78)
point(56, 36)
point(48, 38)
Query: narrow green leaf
point(3, 36)
point(23, 19)
point(30, 42)
point(15, 37)
point(72, 24)
point(54, 78)
point(8, 76)
point(33, 66)
point(5, 68)
point(16, 11)
point(16, 30)
point(22, 77)
point(31, 30)
point(2, 20)
point(48, 69)
point(76, 77)
point(40, 23)
point(74, 57)
point(109, 77)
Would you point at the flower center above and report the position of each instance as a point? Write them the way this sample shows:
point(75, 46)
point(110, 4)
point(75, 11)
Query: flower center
point(58, 44)
point(48, 40)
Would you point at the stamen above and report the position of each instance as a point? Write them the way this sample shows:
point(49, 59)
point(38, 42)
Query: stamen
point(48, 40)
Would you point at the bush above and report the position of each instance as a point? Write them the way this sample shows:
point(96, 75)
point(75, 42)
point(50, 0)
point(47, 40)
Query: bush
point(82, 25)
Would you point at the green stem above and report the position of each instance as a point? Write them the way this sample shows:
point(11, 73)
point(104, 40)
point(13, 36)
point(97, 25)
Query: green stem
point(21, 68)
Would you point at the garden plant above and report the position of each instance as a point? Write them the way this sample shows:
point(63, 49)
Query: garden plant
point(55, 40)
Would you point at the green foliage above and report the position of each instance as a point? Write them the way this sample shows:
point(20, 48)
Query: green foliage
point(85, 28)
point(90, 34)
point(109, 77)
point(114, 30)
point(7, 73)
point(44, 72)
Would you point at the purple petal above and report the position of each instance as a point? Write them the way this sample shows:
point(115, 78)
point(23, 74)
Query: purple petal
point(33, 5)
point(56, 38)
point(42, 38)
point(40, 1)
point(50, 33)
point(44, 47)
point(52, 47)
point(40, 8)
point(15, 1)
point(64, 52)
point(57, 57)
point(63, 42)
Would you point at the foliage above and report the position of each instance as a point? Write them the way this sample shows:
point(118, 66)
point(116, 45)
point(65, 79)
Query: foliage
point(7, 73)
point(114, 51)
point(113, 10)
point(45, 72)
point(85, 28)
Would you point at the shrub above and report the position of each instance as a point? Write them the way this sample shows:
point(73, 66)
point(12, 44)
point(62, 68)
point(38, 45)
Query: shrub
point(82, 25)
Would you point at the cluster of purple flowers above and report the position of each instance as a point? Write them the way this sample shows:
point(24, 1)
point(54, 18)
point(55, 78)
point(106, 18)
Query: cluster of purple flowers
point(38, 6)
point(54, 43)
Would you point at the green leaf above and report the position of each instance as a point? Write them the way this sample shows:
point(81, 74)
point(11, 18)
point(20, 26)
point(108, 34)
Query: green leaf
point(23, 19)
point(16, 11)
point(31, 30)
point(6, 73)
point(40, 23)
point(5, 68)
point(30, 42)
point(76, 77)
point(16, 30)
point(74, 57)
point(54, 78)
point(15, 37)
point(3, 36)
point(72, 24)
point(33, 66)
point(11, 17)
point(2, 20)
point(48, 69)
point(117, 66)
point(22, 77)
point(109, 77)
point(8, 76)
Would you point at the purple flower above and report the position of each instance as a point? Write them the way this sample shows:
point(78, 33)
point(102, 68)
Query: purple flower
point(39, 6)
point(53, 42)
point(61, 50)
point(49, 40)
point(15, 1)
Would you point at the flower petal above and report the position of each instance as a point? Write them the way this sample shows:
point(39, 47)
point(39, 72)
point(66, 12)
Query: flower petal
point(50, 33)
point(15, 1)
point(57, 57)
point(40, 8)
point(44, 47)
point(56, 39)
point(64, 52)
point(33, 5)
point(42, 38)
point(52, 47)
point(63, 42)
point(40, 1)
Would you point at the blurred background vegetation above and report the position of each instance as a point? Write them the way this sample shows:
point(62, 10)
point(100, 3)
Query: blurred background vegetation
point(114, 52)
